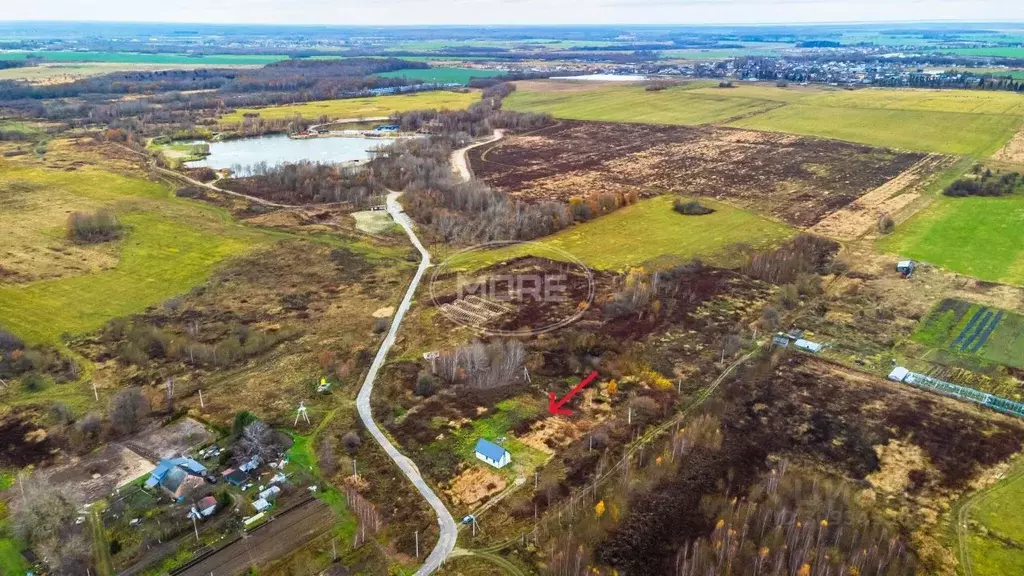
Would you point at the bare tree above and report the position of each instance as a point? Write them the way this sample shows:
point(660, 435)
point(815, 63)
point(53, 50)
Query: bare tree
point(483, 366)
point(45, 519)
point(128, 409)
point(257, 440)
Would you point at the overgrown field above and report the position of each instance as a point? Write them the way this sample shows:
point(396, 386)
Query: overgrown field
point(54, 286)
point(145, 58)
point(797, 180)
point(980, 237)
point(975, 123)
point(359, 107)
point(651, 234)
point(442, 75)
point(958, 327)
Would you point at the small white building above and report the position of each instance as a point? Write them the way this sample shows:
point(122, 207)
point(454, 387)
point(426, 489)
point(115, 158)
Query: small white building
point(807, 345)
point(492, 454)
point(899, 374)
point(261, 505)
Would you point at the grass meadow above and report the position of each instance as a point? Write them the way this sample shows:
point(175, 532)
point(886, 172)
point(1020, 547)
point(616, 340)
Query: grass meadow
point(995, 544)
point(683, 105)
point(442, 75)
point(146, 58)
point(169, 246)
point(961, 122)
point(651, 234)
point(980, 237)
point(359, 107)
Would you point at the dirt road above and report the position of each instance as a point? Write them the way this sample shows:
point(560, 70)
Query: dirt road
point(460, 162)
point(276, 539)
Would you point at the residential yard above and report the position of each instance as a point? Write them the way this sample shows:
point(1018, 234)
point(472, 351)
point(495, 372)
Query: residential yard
point(359, 107)
point(651, 234)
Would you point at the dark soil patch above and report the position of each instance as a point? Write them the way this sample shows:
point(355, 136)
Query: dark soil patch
point(23, 444)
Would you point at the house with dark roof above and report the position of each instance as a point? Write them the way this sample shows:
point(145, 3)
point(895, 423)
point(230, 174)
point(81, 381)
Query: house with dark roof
point(492, 454)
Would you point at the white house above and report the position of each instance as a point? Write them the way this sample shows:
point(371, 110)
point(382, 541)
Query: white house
point(492, 454)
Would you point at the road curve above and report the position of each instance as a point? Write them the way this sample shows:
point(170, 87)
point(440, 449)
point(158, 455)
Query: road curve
point(460, 162)
point(448, 528)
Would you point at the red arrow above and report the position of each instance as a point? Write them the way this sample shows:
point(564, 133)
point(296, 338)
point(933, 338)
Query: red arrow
point(555, 407)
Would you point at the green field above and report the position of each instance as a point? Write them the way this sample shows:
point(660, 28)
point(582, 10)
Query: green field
point(650, 233)
point(962, 122)
point(170, 245)
point(980, 237)
point(999, 549)
point(683, 105)
point(998, 51)
point(946, 132)
point(958, 328)
point(442, 75)
point(360, 107)
point(144, 58)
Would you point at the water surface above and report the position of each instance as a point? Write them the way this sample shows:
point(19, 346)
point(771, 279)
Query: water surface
point(279, 149)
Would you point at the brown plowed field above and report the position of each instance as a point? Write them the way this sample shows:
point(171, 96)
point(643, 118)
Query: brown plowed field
point(797, 179)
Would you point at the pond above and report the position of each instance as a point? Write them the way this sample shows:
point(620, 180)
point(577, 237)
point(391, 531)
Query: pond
point(279, 149)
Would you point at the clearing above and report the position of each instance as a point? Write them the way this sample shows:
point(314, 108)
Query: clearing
point(651, 233)
point(797, 180)
point(358, 107)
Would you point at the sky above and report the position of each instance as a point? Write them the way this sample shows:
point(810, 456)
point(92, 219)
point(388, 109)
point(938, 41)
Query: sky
point(409, 12)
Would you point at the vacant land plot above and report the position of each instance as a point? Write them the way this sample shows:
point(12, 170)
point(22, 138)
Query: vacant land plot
point(88, 479)
point(146, 58)
point(635, 104)
point(996, 548)
point(359, 107)
point(443, 75)
point(975, 123)
point(798, 180)
point(980, 237)
point(63, 72)
point(964, 328)
point(651, 233)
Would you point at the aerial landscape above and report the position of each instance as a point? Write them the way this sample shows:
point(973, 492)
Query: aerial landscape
point(386, 290)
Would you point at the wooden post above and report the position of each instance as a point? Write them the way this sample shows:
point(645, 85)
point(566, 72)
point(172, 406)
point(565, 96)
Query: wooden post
point(195, 528)
point(94, 392)
point(202, 404)
point(417, 544)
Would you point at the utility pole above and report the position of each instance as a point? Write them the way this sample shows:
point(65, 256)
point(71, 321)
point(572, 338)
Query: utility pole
point(417, 544)
point(195, 528)
point(94, 392)
point(202, 404)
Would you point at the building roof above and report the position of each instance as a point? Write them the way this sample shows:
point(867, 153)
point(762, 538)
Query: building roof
point(261, 505)
point(490, 450)
point(207, 502)
point(808, 345)
point(173, 479)
point(898, 374)
point(235, 476)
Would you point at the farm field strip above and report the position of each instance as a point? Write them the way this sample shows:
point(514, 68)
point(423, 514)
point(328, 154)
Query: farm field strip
point(965, 328)
point(441, 74)
point(359, 107)
point(962, 122)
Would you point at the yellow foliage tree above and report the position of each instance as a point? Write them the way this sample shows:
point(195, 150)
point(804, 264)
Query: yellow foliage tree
point(613, 387)
point(804, 570)
point(599, 508)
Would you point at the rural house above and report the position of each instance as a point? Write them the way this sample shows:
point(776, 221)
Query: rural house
point(204, 508)
point(492, 454)
point(177, 476)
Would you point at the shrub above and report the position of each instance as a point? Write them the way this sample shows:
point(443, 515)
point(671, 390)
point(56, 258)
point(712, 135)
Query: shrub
point(886, 224)
point(101, 226)
point(424, 385)
point(128, 409)
point(351, 441)
point(33, 382)
point(242, 419)
point(788, 296)
point(381, 325)
point(691, 207)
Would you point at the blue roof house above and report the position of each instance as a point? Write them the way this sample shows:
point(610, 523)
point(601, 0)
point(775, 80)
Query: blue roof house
point(492, 454)
point(176, 476)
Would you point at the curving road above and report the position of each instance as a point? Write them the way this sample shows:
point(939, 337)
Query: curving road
point(459, 161)
point(448, 528)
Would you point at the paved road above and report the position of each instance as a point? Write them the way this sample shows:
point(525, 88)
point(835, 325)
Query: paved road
point(460, 161)
point(448, 528)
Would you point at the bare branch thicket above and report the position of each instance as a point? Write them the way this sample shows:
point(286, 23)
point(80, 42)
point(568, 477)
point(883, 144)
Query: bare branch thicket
point(483, 366)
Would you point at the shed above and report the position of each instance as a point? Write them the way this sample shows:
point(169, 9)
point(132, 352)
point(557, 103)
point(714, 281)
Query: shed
point(492, 454)
point(261, 505)
point(808, 346)
point(251, 465)
point(906, 267)
point(780, 340)
point(270, 493)
point(899, 374)
point(207, 506)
